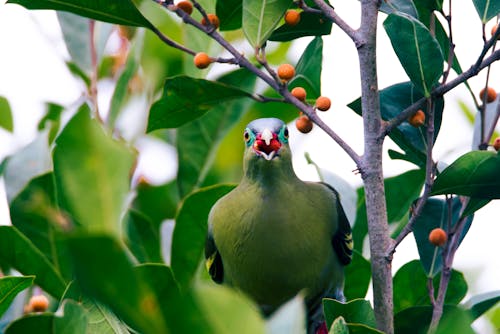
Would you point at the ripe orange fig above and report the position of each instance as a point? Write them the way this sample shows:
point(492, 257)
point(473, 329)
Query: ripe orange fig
point(38, 303)
point(438, 237)
point(323, 103)
point(202, 60)
point(417, 119)
point(286, 72)
point(304, 124)
point(214, 20)
point(186, 6)
point(292, 17)
point(494, 30)
point(496, 144)
point(491, 94)
point(299, 93)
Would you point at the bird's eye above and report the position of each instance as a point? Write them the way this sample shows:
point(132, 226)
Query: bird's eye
point(285, 133)
point(246, 136)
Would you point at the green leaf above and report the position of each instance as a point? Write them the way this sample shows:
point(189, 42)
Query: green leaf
point(357, 311)
point(260, 17)
point(73, 320)
point(400, 6)
point(473, 174)
point(51, 121)
point(198, 141)
point(35, 323)
point(358, 276)
point(339, 326)
point(185, 99)
point(122, 12)
point(230, 14)
point(143, 238)
point(433, 215)
point(410, 287)
point(76, 34)
point(399, 200)
point(10, 286)
point(416, 320)
point(32, 160)
point(121, 88)
point(473, 205)
point(413, 141)
point(486, 9)
point(104, 271)
point(308, 70)
point(6, 121)
point(480, 304)
point(157, 202)
point(191, 230)
point(34, 212)
point(310, 24)
point(87, 159)
point(17, 251)
point(227, 310)
point(417, 50)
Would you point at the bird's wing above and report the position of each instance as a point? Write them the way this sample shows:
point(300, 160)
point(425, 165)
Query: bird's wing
point(213, 260)
point(342, 239)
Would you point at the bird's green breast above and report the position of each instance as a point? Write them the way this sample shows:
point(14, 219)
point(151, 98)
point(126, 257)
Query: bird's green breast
point(276, 241)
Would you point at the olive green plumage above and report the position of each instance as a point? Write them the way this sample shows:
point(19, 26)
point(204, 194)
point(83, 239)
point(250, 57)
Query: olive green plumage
point(275, 235)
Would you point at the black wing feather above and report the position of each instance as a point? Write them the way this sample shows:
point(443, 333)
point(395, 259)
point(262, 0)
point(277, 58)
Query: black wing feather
point(213, 260)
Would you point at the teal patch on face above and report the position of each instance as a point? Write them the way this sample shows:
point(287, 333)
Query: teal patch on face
point(283, 135)
point(249, 137)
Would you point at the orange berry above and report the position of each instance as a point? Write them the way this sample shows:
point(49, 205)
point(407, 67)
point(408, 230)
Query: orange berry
point(323, 103)
point(438, 237)
point(304, 124)
point(494, 30)
point(186, 6)
point(286, 72)
point(496, 144)
point(214, 20)
point(299, 93)
point(292, 17)
point(491, 94)
point(202, 60)
point(38, 303)
point(417, 119)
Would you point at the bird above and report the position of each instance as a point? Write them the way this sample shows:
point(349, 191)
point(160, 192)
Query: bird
point(274, 236)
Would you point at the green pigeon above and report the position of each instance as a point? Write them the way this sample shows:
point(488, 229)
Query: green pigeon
point(275, 235)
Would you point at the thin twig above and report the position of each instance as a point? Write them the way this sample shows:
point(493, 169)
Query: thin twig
point(94, 70)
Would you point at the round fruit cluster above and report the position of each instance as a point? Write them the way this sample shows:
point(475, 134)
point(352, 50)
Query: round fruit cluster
point(438, 237)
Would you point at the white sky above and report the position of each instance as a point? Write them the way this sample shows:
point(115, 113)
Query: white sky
point(32, 72)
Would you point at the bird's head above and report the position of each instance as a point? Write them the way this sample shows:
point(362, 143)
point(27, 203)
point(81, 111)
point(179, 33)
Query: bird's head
point(266, 141)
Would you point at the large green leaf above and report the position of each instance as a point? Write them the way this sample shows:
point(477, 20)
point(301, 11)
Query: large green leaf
point(198, 141)
point(122, 12)
point(230, 14)
point(473, 174)
point(228, 310)
point(357, 277)
point(308, 70)
point(143, 238)
point(191, 230)
point(486, 9)
point(92, 173)
point(401, 6)
point(416, 320)
point(260, 17)
point(413, 141)
point(105, 272)
point(72, 320)
point(185, 99)
point(410, 287)
point(34, 212)
point(157, 202)
point(34, 323)
point(6, 121)
point(357, 311)
point(480, 304)
point(399, 200)
point(310, 24)
point(10, 286)
point(18, 252)
point(417, 50)
point(435, 213)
